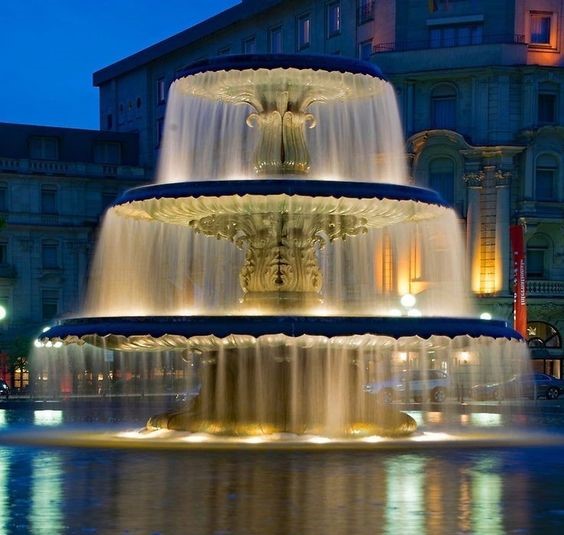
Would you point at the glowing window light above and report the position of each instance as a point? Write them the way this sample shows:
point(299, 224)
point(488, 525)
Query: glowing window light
point(395, 312)
point(3, 312)
point(485, 316)
point(401, 356)
point(464, 357)
point(414, 313)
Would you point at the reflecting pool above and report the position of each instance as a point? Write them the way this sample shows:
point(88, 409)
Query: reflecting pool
point(51, 490)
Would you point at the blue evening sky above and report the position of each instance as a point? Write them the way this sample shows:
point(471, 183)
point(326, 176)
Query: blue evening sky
point(50, 48)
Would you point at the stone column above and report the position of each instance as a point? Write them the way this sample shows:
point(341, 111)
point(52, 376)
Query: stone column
point(502, 229)
point(473, 181)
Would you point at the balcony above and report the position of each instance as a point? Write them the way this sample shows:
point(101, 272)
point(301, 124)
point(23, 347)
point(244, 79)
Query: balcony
point(545, 288)
point(413, 56)
point(73, 169)
point(539, 211)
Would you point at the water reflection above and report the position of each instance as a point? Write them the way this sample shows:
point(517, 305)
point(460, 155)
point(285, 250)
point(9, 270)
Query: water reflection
point(51, 491)
point(405, 500)
point(47, 418)
point(46, 516)
point(486, 512)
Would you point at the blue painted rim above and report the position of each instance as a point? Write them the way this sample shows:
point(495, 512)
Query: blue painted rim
point(240, 62)
point(308, 188)
point(329, 326)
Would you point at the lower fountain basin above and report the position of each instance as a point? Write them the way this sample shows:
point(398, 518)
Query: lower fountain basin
point(197, 332)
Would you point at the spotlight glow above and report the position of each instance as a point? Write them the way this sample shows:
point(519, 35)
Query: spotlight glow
point(408, 300)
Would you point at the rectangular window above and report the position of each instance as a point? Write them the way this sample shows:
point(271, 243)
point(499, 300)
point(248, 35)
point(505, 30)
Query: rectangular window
point(50, 255)
point(3, 198)
point(250, 46)
point(275, 40)
point(44, 148)
point(547, 108)
point(49, 304)
point(477, 37)
point(455, 35)
point(5, 302)
point(304, 32)
point(161, 91)
point(107, 152)
point(435, 36)
point(464, 36)
point(544, 184)
point(109, 121)
point(365, 50)
point(3, 253)
point(333, 18)
point(443, 113)
point(540, 24)
point(443, 182)
point(49, 200)
point(535, 263)
point(365, 11)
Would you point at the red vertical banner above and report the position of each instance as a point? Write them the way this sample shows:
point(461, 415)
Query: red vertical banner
point(519, 279)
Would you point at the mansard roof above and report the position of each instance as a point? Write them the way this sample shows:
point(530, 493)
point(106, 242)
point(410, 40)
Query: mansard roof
point(245, 10)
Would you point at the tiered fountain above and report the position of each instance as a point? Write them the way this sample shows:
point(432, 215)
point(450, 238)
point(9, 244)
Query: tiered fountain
point(281, 256)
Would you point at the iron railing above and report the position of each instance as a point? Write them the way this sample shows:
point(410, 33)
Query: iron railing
point(402, 46)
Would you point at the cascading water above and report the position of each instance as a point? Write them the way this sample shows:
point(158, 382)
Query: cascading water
point(281, 265)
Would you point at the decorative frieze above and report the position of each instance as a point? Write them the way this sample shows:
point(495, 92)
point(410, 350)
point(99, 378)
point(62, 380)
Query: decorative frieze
point(474, 179)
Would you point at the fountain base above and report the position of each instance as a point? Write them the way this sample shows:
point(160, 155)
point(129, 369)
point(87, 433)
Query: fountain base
point(386, 422)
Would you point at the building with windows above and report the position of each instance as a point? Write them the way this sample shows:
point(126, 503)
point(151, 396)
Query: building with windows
point(55, 184)
point(480, 88)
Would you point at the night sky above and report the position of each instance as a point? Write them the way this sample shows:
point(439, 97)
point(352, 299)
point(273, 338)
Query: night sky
point(50, 48)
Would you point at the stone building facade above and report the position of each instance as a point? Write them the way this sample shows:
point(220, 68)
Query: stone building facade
point(55, 184)
point(480, 89)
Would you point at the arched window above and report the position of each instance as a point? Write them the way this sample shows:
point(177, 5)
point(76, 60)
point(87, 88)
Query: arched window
point(537, 252)
point(443, 107)
point(546, 172)
point(441, 178)
point(542, 334)
point(50, 254)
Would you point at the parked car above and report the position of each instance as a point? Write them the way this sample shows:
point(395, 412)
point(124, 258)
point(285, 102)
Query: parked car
point(4, 389)
point(530, 385)
point(415, 384)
